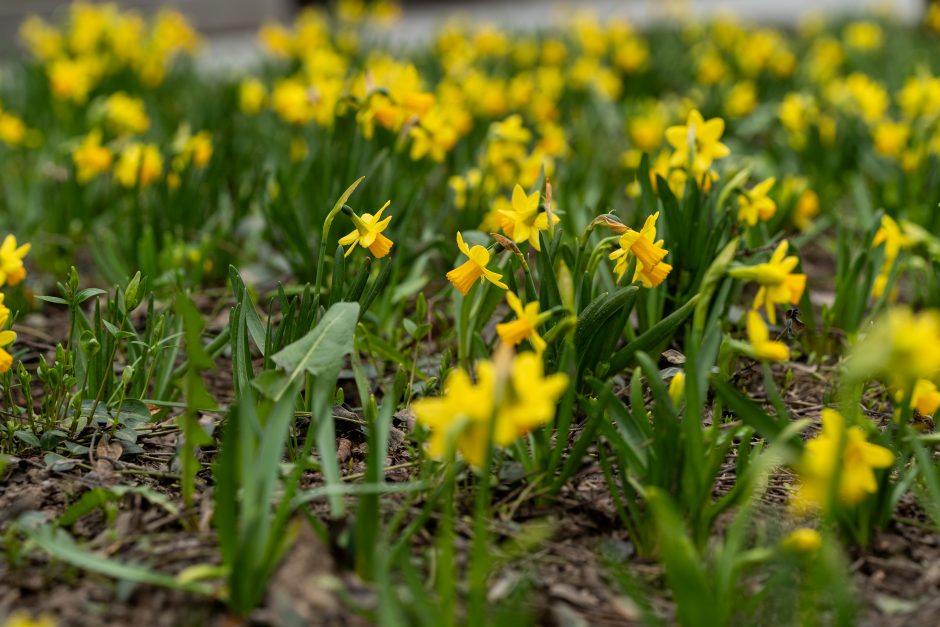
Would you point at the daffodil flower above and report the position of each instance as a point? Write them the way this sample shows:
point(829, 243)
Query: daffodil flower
point(519, 398)
point(6, 359)
point(368, 233)
point(758, 335)
point(525, 326)
point(464, 275)
point(12, 270)
point(650, 268)
point(523, 222)
point(894, 239)
point(757, 204)
point(925, 398)
point(777, 281)
point(91, 158)
point(698, 142)
point(842, 450)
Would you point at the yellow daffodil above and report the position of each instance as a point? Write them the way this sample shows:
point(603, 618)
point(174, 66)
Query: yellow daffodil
point(677, 388)
point(71, 79)
point(12, 270)
point(890, 138)
point(369, 233)
point(126, 114)
point(464, 275)
point(925, 398)
point(524, 221)
point(758, 335)
point(756, 204)
point(6, 359)
point(252, 95)
point(24, 619)
point(902, 346)
point(894, 240)
point(841, 450)
point(651, 270)
point(741, 99)
point(516, 395)
point(891, 235)
point(807, 208)
point(13, 131)
point(698, 142)
point(778, 283)
point(802, 540)
point(525, 326)
point(91, 158)
point(139, 164)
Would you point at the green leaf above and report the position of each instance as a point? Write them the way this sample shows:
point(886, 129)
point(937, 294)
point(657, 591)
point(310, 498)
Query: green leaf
point(60, 545)
point(684, 566)
point(656, 335)
point(320, 353)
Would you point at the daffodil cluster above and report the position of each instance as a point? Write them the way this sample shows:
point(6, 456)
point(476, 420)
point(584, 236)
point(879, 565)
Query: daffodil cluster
point(510, 397)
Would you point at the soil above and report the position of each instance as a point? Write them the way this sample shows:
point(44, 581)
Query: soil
point(572, 575)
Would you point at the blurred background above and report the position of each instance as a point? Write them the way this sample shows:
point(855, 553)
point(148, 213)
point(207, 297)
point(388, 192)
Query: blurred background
point(228, 17)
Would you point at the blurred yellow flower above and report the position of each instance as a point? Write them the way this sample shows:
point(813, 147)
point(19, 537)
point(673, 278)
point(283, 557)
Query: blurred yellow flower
point(758, 335)
point(677, 388)
point(290, 99)
point(741, 99)
point(369, 233)
point(126, 114)
point(71, 79)
point(252, 95)
point(890, 137)
point(524, 221)
point(12, 269)
point(514, 393)
point(756, 203)
point(91, 158)
point(138, 164)
point(697, 143)
point(863, 35)
point(12, 129)
point(43, 40)
point(902, 346)
point(6, 359)
point(807, 208)
point(525, 326)
point(843, 451)
point(925, 397)
point(802, 540)
point(465, 275)
point(24, 619)
point(778, 283)
point(651, 270)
